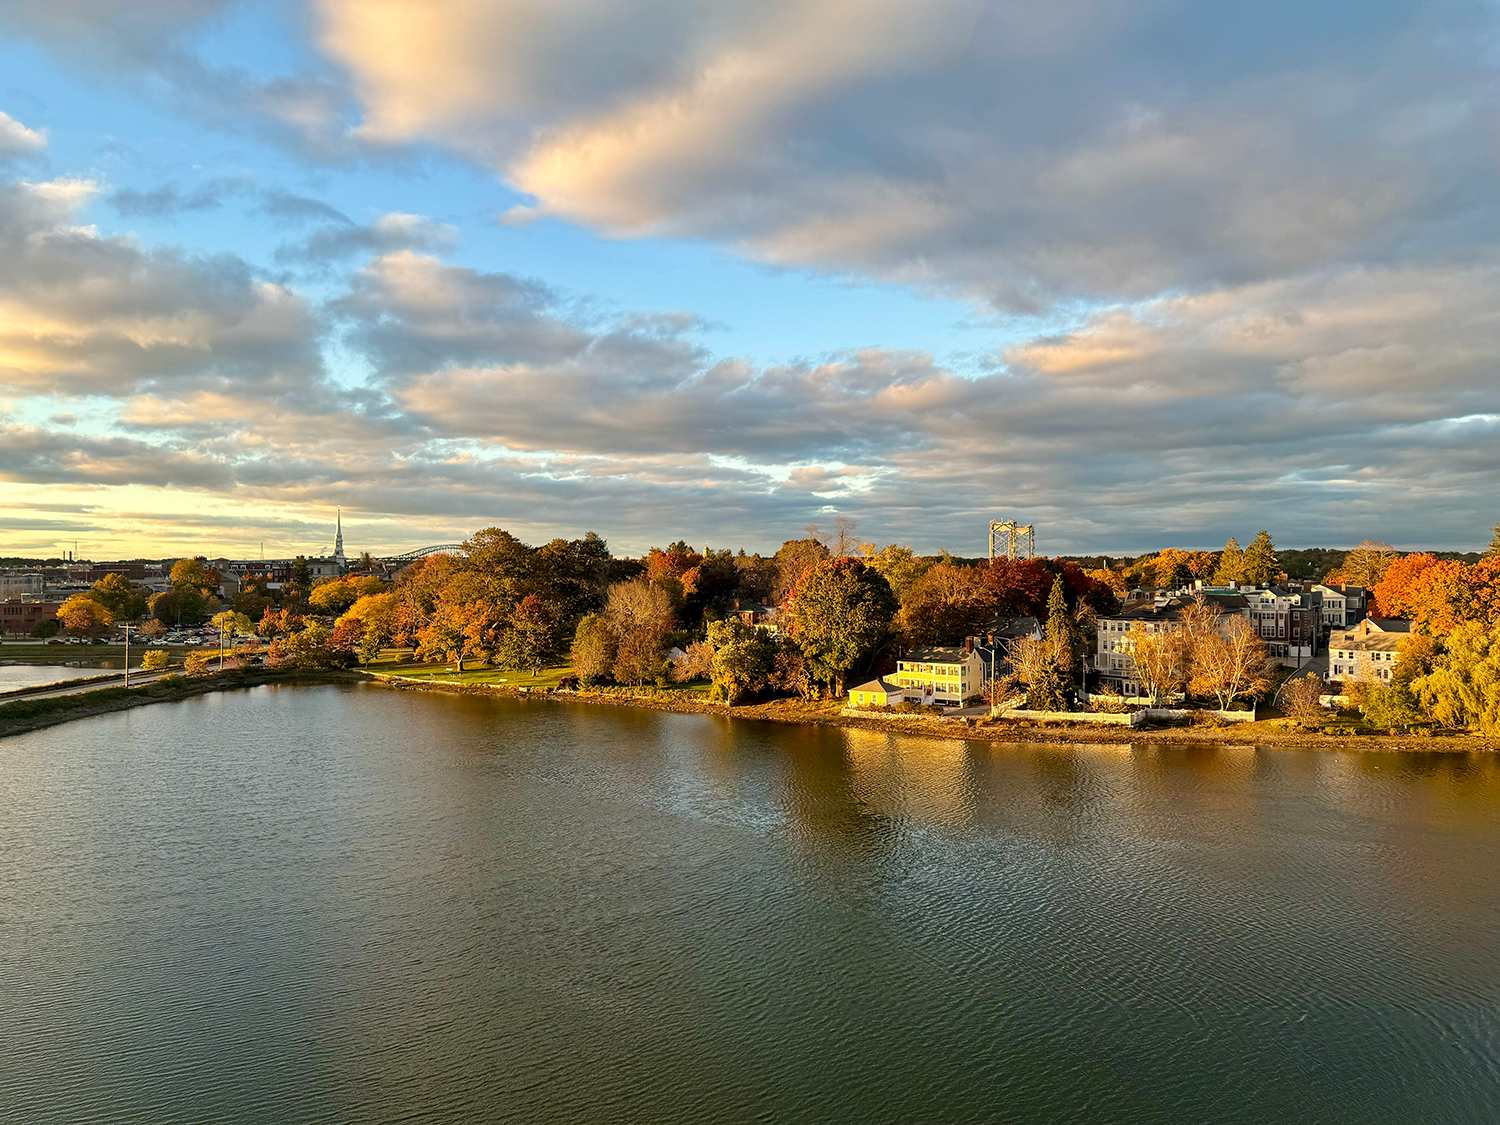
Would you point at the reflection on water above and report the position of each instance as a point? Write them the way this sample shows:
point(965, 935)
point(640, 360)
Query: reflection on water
point(354, 904)
point(14, 676)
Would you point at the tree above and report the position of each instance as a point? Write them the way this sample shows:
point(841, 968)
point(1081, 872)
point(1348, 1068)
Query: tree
point(375, 614)
point(124, 601)
point(1261, 566)
point(196, 663)
point(152, 630)
point(1018, 587)
point(1440, 598)
point(82, 616)
point(640, 616)
point(1463, 688)
point(593, 651)
point(230, 624)
point(1393, 593)
point(844, 542)
point(1364, 566)
point(1111, 578)
point(455, 634)
point(1494, 547)
point(899, 566)
point(794, 558)
point(302, 573)
point(181, 605)
point(947, 602)
point(744, 658)
point(155, 660)
point(1229, 663)
point(1231, 569)
point(1302, 700)
point(195, 574)
point(1160, 660)
point(337, 594)
point(531, 641)
point(697, 662)
point(841, 616)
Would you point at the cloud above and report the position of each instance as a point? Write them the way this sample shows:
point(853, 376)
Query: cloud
point(17, 138)
point(85, 313)
point(388, 233)
point(1021, 153)
point(171, 200)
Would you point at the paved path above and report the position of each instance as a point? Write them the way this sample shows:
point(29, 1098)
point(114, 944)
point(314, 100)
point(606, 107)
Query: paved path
point(75, 687)
point(1318, 664)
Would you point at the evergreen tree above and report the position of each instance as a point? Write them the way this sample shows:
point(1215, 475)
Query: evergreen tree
point(1494, 548)
point(1059, 620)
point(1231, 564)
point(1261, 564)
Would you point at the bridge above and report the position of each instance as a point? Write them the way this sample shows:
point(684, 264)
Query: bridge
point(423, 552)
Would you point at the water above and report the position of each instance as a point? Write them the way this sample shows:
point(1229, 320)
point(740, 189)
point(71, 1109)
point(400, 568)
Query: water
point(357, 905)
point(13, 676)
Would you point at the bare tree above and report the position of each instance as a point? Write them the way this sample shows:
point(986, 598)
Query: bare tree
point(845, 542)
point(1230, 663)
point(640, 616)
point(1302, 700)
point(1160, 660)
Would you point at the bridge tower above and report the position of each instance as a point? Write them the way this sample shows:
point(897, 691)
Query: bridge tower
point(1014, 537)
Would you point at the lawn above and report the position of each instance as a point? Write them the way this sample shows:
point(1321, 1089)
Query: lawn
point(398, 662)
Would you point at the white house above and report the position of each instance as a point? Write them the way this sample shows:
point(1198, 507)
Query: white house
point(1368, 651)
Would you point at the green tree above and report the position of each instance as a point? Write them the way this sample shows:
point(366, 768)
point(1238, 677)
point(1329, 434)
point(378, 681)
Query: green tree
point(230, 624)
point(842, 613)
point(899, 566)
point(1463, 688)
point(302, 573)
point(181, 605)
point(124, 601)
point(593, 651)
point(743, 661)
point(531, 641)
point(1261, 566)
point(1231, 564)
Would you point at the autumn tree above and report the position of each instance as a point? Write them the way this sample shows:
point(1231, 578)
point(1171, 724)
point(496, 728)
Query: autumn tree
point(338, 594)
point(947, 602)
point(1111, 578)
point(697, 662)
point(1261, 566)
point(842, 614)
point(181, 605)
point(640, 616)
point(83, 616)
point(155, 660)
point(195, 574)
point(230, 624)
point(1394, 590)
point(458, 633)
point(1364, 566)
point(793, 559)
point(1018, 587)
point(1035, 664)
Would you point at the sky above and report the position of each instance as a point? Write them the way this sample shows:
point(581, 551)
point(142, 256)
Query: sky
point(1139, 273)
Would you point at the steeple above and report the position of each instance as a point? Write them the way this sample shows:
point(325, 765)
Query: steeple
point(338, 540)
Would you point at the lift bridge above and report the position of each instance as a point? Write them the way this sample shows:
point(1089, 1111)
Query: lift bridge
point(1010, 538)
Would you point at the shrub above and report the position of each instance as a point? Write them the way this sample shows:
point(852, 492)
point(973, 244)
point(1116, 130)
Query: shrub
point(155, 660)
point(196, 663)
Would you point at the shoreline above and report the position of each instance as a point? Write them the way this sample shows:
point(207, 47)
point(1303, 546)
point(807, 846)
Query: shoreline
point(21, 716)
point(796, 712)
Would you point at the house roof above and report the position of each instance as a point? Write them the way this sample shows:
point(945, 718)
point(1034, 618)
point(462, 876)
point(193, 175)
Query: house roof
point(953, 654)
point(878, 684)
point(1009, 628)
point(1350, 641)
point(1388, 624)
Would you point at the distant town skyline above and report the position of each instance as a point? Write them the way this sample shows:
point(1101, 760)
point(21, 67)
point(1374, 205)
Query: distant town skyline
point(1142, 276)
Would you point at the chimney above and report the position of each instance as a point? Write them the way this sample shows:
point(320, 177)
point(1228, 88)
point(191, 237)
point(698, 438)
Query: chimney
point(968, 645)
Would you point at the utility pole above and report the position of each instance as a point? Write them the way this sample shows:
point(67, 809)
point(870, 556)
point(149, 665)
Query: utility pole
point(127, 654)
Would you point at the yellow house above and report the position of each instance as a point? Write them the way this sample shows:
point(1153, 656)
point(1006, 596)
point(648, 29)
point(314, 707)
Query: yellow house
point(876, 693)
point(941, 675)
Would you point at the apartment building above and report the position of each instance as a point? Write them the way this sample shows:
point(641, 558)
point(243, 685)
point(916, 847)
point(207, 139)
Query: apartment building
point(1343, 606)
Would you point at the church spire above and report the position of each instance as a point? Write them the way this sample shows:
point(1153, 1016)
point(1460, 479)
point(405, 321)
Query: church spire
point(338, 541)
